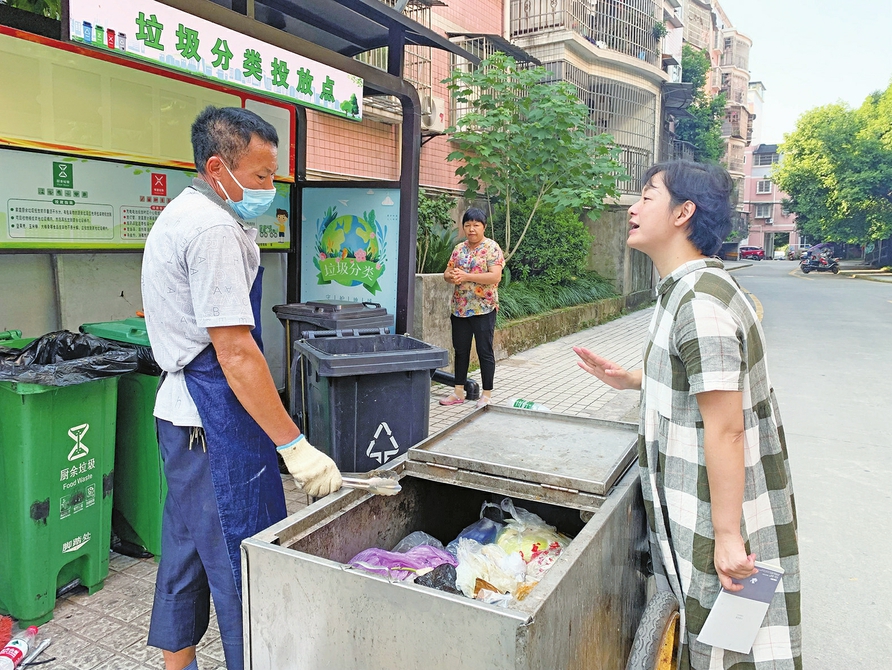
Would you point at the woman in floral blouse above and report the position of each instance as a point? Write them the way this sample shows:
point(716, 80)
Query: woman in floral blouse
point(475, 269)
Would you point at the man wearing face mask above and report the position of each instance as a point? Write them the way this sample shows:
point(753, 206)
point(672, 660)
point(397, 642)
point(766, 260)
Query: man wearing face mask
point(219, 418)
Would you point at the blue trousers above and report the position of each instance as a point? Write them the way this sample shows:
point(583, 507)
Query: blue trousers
point(194, 557)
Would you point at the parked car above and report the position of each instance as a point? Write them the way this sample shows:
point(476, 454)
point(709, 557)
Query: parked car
point(752, 253)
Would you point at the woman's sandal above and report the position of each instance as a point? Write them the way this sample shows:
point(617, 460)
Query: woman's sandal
point(484, 401)
point(452, 399)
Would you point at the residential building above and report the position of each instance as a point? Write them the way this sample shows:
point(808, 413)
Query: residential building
point(612, 52)
point(771, 225)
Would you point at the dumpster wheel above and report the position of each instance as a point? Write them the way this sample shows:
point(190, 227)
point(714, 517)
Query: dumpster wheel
point(657, 638)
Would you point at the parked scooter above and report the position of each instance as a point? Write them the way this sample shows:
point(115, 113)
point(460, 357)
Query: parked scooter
point(822, 262)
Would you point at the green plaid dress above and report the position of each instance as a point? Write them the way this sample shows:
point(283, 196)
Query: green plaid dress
point(705, 336)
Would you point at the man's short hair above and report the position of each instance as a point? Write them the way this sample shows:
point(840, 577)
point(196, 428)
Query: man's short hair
point(708, 186)
point(226, 132)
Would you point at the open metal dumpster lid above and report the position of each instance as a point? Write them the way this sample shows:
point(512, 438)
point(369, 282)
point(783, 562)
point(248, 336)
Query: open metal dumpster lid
point(564, 460)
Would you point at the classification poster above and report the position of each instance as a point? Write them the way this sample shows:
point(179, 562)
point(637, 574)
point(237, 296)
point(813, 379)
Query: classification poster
point(61, 202)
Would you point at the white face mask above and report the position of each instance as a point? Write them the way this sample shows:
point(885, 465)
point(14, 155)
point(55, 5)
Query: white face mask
point(254, 202)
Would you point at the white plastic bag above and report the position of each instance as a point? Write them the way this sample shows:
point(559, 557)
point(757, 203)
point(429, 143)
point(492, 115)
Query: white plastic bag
point(527, 534)
point(490, 563)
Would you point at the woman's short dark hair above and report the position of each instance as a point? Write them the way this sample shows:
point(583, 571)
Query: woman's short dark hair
point(226, 132)
point(474, 214)
point(708, 186)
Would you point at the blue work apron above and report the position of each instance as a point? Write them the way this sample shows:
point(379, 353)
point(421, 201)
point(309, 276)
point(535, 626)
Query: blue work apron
point(244, 467)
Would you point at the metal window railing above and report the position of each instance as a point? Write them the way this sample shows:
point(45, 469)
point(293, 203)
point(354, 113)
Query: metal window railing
point(681, 150)
point(735, 86)
point(626, 26)
point(736, 53)
point(734, 158)
point(735, 124)
point(483, 48)
point(626, 112)
point(697, 25)
point(416, 60)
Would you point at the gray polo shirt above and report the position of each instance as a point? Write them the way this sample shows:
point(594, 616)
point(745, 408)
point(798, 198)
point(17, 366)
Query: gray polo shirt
point(199, 264)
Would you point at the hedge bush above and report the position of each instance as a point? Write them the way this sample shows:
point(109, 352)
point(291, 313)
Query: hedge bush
point(555, 248)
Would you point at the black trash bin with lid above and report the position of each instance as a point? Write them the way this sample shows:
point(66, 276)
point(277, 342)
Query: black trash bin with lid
point(364, 399)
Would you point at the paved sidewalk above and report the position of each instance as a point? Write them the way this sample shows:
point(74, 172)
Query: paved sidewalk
point(108, 630)
point(548, 374)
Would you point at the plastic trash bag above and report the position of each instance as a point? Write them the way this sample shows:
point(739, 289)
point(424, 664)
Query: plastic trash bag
point(484, 530)
point(422, 558)
point(145, 360)
point(416, 539)
point(441, 578)
point(490, 563)
point(64, 358)
point(540, 563)
point(527, 534)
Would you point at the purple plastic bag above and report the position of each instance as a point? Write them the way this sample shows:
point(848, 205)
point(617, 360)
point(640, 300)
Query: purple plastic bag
point(401, 565)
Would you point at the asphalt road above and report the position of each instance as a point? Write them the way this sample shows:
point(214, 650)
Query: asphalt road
point(830, 360)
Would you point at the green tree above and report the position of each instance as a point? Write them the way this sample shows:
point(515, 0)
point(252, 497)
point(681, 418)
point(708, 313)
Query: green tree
point(837, 171)
point(703, 129)
point(437, 233)
point(556, 246)
point(49, 8)
point(525, 139)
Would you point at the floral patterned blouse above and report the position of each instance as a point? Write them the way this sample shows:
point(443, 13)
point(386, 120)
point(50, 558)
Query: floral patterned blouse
point(470, 298)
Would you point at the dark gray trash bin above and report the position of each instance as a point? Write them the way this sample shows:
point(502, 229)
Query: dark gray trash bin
point(300, 317)
point(363, 400)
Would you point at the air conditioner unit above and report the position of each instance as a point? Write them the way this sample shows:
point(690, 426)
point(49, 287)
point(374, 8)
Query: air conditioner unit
point(433, 114)
point(769, 221)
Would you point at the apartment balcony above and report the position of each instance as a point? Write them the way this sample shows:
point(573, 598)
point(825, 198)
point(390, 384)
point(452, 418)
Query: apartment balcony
point(622, 26)
point(735, 126)
point(681, 150)
point(736, 52)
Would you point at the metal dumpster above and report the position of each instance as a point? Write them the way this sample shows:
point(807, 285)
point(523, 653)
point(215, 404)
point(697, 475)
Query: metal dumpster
point(303, 608)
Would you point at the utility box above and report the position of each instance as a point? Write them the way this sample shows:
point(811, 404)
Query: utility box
point(582, 615)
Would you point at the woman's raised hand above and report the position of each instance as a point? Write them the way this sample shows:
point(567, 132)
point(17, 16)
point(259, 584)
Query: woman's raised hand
point(607, 371)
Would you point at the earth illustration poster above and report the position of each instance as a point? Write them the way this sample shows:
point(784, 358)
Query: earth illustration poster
point(349, 245)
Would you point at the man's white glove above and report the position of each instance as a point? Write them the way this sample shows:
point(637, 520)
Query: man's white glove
point(313, 471)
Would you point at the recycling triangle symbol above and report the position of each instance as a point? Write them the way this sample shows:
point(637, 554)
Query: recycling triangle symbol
point(382, 455)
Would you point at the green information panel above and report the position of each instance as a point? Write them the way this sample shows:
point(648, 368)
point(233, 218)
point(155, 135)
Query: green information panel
point(60, 202)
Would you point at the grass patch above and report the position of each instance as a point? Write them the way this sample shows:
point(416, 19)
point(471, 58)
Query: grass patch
point(525, 298)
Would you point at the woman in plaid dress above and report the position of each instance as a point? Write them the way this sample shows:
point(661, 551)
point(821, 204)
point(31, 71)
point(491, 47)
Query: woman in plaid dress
point(711, 452)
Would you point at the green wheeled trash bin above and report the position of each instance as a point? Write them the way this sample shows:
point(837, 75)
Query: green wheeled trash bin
point(57, 447)
point(139, 472)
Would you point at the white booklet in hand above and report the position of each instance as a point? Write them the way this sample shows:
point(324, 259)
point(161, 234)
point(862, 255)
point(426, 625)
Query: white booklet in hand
point(735, 618)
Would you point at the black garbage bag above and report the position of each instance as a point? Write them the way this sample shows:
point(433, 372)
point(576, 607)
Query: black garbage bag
point(441, 578)
point(64, 358)
point(145, 360)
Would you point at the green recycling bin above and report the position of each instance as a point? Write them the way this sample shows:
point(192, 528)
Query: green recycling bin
point(139, 472)
point(57, 458)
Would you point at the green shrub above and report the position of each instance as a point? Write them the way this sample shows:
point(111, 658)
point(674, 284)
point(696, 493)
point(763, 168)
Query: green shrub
point(525, 298)
point(554, 249)
point(437, 234)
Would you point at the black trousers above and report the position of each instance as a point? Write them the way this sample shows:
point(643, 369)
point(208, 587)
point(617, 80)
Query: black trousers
point(481, 329)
